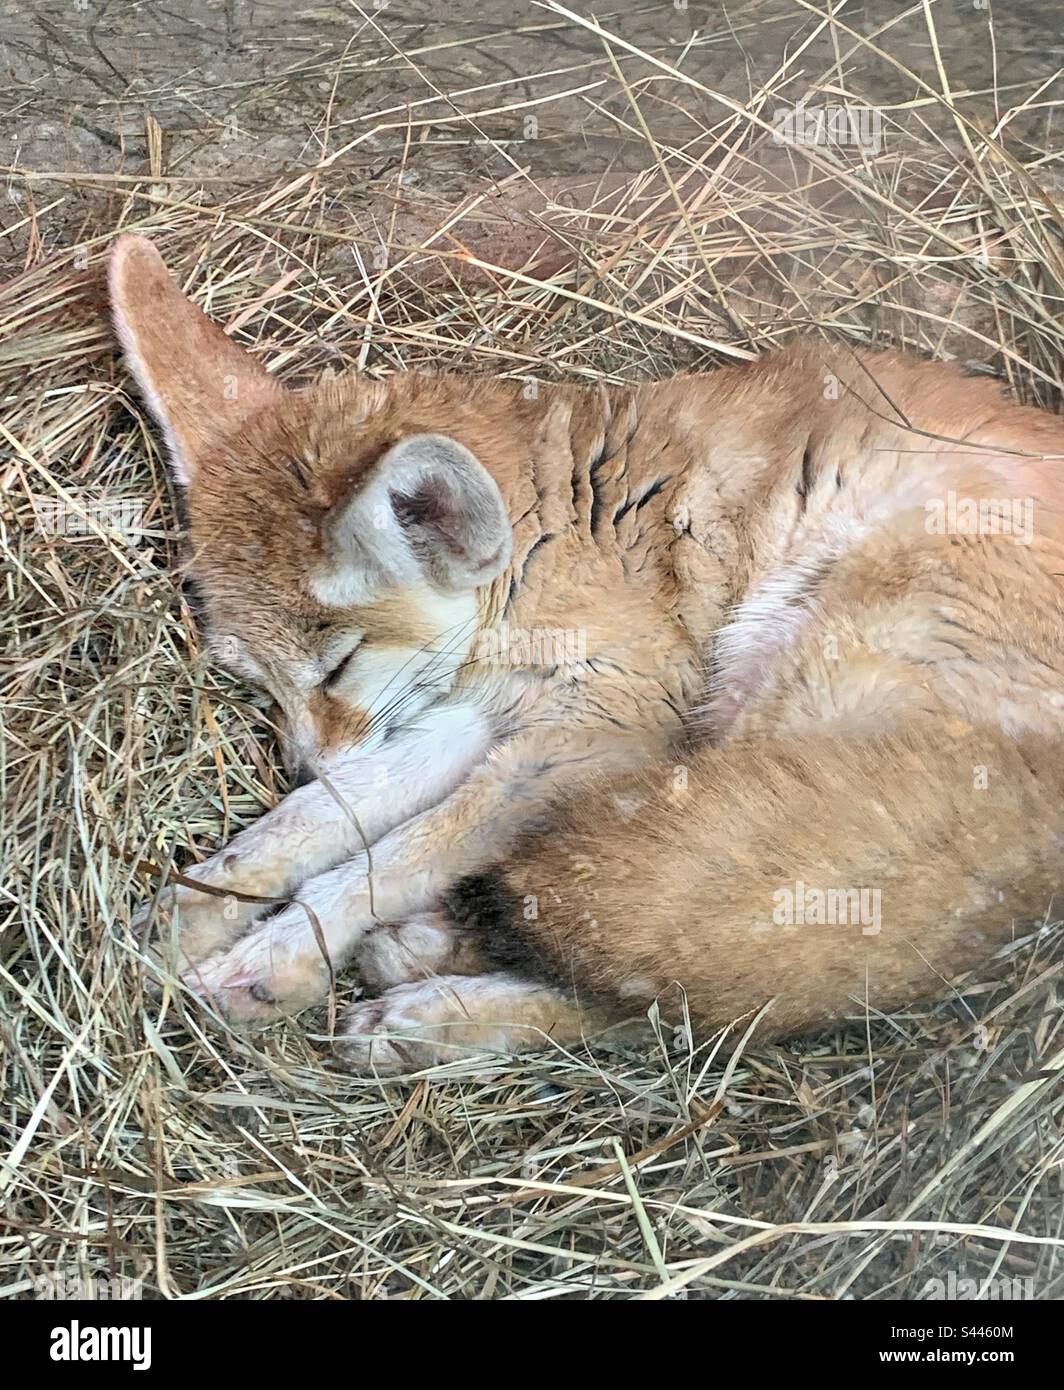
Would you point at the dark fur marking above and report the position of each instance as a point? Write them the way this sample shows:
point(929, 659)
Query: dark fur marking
point(640, 501)
point(597, 503)
point(806, 480)
point(542, 541)
point(485, 905)
point(604, 457)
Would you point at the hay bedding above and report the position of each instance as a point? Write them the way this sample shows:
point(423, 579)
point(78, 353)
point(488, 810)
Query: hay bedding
point(140, 1139)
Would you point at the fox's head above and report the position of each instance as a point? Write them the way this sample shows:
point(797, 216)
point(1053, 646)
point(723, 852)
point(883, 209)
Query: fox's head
point(342, 538)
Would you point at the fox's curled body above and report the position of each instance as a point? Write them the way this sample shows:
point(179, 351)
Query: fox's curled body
point(743, 687)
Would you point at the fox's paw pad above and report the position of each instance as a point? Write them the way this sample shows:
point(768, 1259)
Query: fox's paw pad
point(258, 980)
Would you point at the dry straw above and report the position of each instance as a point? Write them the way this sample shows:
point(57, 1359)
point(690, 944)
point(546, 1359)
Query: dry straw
point(139, 1138)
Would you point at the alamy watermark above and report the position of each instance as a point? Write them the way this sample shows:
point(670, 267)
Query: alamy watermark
point(858, 127)
point(66, 1286)
point(90, 516)
point(77, 1342)
point(82, 1338)
point(997, 1289)
point(539, 646)
point(802, 905)
point(981, 516)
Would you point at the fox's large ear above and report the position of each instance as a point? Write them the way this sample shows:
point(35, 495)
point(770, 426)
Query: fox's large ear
point(198, 383)
point(428, 510)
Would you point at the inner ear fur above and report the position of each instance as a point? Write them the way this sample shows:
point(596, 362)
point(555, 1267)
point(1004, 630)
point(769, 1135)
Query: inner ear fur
point(428, 510)
point(199, 385)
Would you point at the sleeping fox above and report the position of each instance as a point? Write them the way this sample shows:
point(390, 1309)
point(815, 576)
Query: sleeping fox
point(743, 692)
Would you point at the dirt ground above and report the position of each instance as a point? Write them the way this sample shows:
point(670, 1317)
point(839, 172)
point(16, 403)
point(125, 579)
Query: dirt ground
point(202, 96)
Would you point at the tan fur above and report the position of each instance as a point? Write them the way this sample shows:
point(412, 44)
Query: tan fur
point(765, 667)
point(667, 903)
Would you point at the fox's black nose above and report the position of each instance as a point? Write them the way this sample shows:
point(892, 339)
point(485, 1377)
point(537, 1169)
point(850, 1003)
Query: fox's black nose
point(304, 773)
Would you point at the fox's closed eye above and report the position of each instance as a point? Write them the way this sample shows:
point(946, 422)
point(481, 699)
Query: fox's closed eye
point(338, 670)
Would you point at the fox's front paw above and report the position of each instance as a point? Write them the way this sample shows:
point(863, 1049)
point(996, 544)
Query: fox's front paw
point(277, 969)
point(186, 924)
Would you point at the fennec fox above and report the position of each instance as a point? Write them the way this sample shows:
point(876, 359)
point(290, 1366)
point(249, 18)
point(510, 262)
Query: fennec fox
point(735, 690)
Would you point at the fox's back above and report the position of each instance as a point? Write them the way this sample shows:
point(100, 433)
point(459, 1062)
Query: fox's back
point(800, 540)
